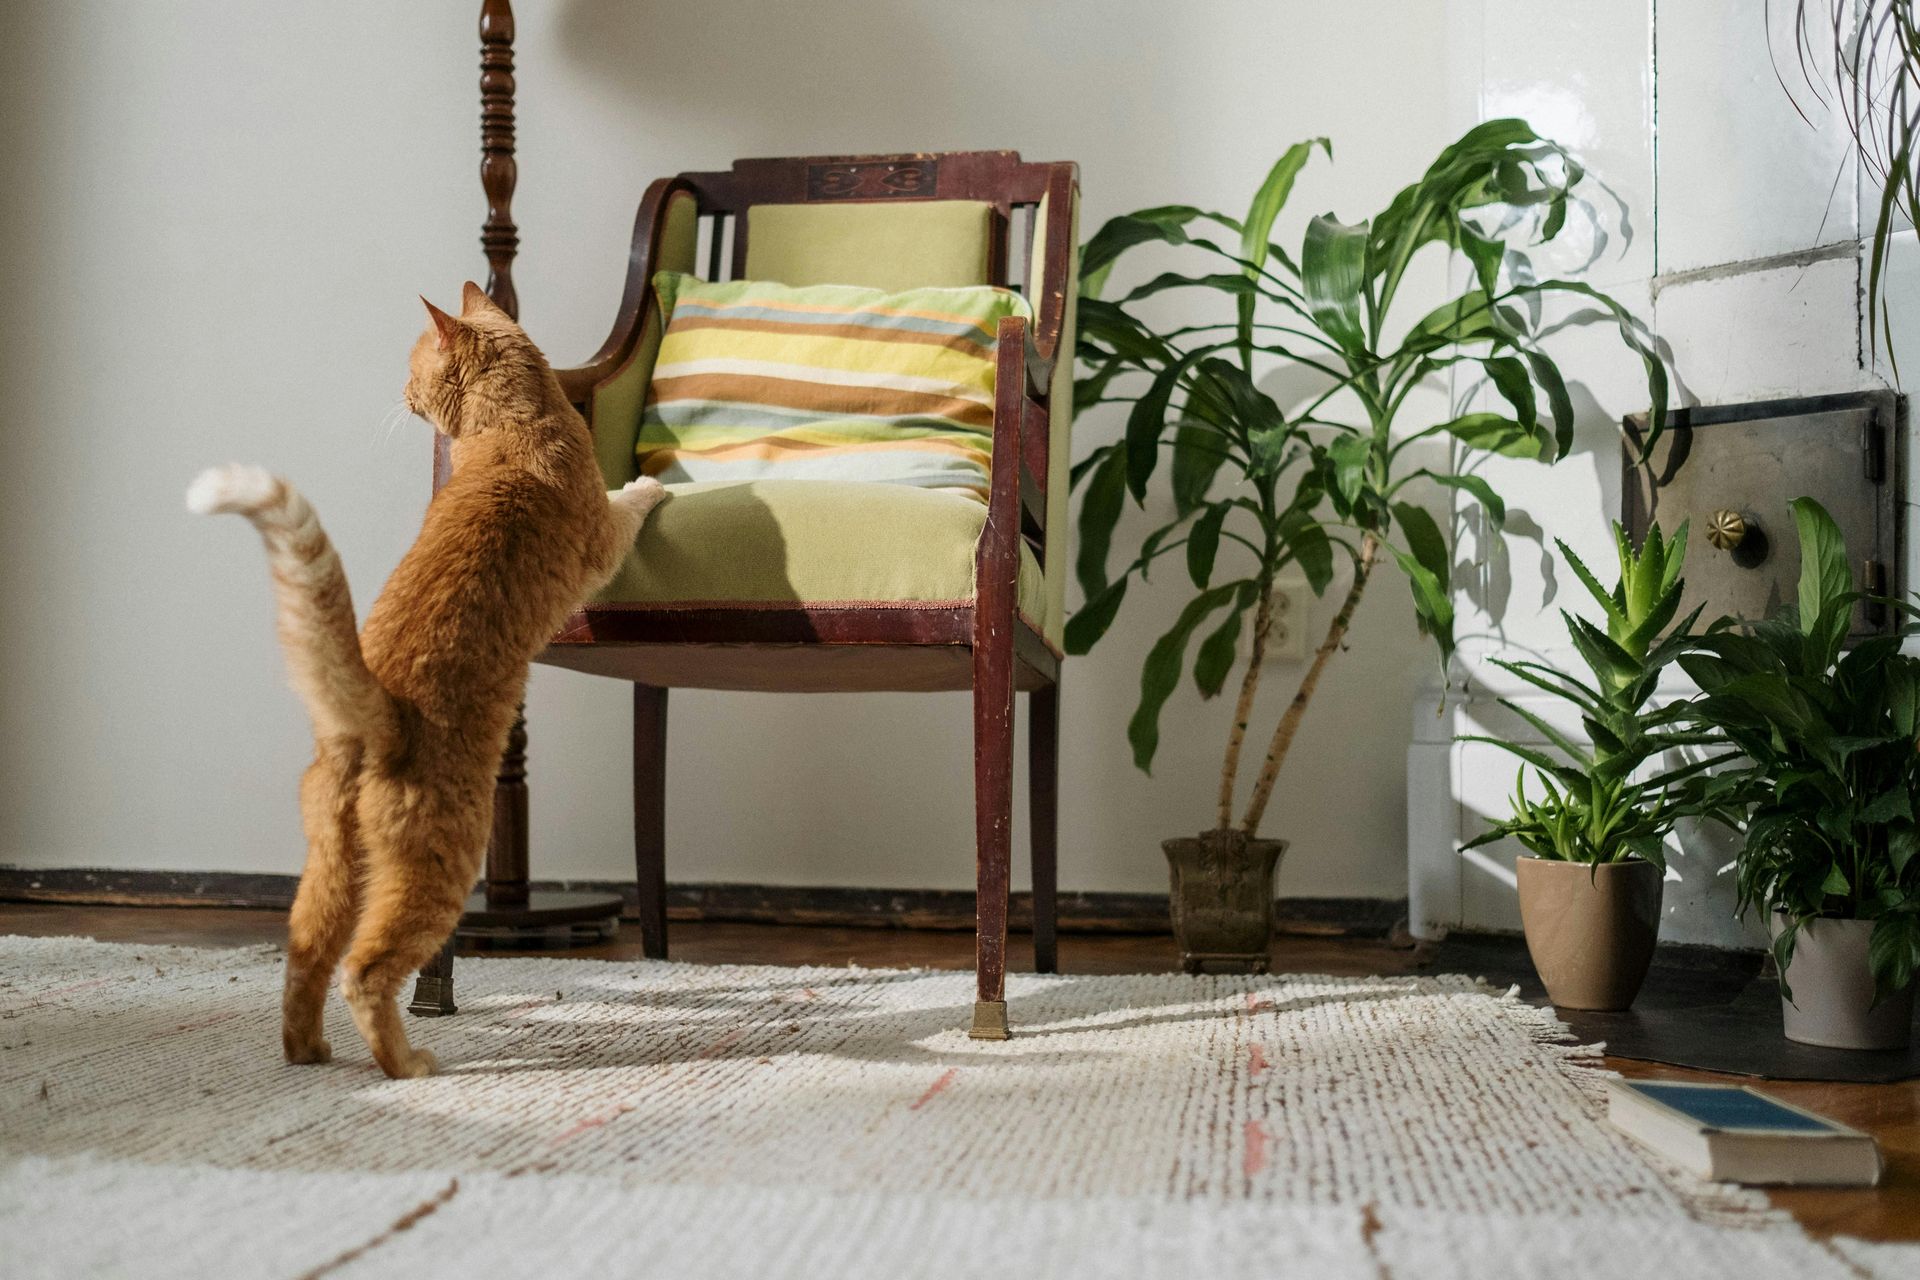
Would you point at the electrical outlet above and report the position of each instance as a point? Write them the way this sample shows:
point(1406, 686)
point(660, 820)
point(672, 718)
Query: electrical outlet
point(1292, 619)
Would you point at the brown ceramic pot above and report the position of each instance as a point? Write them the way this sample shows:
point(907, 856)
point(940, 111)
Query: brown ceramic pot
point(1590, 930)
point(1222, 900)
point(1833, 994)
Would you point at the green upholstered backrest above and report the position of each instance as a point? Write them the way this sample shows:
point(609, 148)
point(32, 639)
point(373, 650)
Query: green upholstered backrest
point(618, 402)
point(891, 245)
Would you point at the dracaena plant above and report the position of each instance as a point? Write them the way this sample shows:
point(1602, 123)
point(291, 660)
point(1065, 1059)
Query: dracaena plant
point(1832, 745)
point(1596, 803)
point(1259, 487)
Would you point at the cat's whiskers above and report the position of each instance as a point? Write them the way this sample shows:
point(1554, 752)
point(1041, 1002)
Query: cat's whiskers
point(390, 421)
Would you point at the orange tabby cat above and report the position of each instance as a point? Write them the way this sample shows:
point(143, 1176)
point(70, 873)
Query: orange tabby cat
point(410, 717)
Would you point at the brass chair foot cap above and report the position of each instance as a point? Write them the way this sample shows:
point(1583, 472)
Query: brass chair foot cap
point(989, 1021)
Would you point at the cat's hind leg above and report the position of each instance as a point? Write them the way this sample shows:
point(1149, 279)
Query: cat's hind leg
point(419, 869)
point(327, 903)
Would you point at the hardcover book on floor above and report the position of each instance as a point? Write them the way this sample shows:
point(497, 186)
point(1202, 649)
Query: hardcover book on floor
point(1732, 1133)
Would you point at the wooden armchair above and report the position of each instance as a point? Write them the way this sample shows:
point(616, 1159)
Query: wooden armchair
point(761, 586)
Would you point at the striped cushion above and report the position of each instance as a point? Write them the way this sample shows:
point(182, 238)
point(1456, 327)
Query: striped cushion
point(831, 382)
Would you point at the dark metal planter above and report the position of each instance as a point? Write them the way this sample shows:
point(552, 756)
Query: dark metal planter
point(1222, 899)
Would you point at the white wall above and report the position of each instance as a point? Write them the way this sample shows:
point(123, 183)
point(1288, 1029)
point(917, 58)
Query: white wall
point(1744, 260)
point(218, 215)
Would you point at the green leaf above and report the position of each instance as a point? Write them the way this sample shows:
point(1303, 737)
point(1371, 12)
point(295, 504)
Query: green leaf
point(1495, 433)
point(1572, 749)
point(1615, 615)
point(1256, 232)
point(1312, 549)
point(1332, 274)
point(1902, 842)
point(1351, 456)
point(1538, 759)
point(1467, 318)
point(1198, 454)
point(1099, 513)
point(1161, 674)
point(1166, 225)
point(1826, 584)
point(1431, 603)
point(1148, 419)
point(1214, 662)
point(1425, 540)
point(1496, 506)
point(1611, 665)
point(1092, 619)
point(1554, 681)
point(1484, 252)
point(1238, 285)
point(1893, 803)
point(1088, 390)
point(1203, 543)
point(1509, 377)
point(1128, 339)
point(1893, 952)
point(1836, 881)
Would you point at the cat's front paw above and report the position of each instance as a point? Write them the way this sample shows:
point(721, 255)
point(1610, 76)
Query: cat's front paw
point(639, 496)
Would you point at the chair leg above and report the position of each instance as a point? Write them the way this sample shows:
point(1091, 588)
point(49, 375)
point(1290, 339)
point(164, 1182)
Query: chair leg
point(650, 815)
point(433, 989)
point(993, 825)
point(1043, 804)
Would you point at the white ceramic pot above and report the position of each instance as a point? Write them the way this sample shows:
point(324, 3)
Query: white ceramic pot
point(1832, 987)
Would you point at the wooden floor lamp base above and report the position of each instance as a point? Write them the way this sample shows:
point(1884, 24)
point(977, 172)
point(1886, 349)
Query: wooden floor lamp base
point(546, 921)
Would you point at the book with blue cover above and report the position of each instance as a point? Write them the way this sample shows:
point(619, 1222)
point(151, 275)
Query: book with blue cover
point(1733, 1133)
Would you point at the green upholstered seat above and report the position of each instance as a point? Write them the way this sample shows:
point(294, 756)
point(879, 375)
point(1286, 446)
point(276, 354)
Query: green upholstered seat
point(818, 541)
point(777, 543)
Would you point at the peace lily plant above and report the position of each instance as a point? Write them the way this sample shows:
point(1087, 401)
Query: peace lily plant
point(1831, 743)
point(1259, 487)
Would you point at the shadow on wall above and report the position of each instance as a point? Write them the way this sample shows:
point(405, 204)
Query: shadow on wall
point(753, 71)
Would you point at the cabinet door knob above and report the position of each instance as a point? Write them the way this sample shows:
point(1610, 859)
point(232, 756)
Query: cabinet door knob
point(1726, 529)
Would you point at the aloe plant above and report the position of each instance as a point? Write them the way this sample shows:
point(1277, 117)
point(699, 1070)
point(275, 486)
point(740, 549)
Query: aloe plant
point(1831, 739)
point(1595, 805)
point(1258, 487)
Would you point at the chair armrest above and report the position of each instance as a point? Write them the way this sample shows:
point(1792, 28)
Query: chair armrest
point(1017, 479)
point(1050, 308)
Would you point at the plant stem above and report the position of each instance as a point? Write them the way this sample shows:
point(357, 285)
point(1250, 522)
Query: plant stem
point(1297, 709)
point(1243, 709)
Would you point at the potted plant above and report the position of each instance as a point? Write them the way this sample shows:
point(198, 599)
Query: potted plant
point(1258, 487)
point(1590, 884)
point(1832, 745)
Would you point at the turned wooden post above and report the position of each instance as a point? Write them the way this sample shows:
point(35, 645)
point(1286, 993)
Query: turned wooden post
point(498, 173)
point(507, 841)
point(507, 859)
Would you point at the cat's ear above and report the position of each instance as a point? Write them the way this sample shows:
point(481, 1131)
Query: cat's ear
point(473, 298)
point(445, 325)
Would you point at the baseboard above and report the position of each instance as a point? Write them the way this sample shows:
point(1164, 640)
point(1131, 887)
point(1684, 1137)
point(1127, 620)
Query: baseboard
point(1089, 912)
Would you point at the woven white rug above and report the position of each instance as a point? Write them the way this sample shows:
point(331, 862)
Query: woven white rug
point(653, 1119)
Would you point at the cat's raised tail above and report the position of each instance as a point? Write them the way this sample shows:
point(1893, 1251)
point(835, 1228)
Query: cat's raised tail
point(316, 624)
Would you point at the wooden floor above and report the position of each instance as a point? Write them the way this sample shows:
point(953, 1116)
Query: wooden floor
point(1890, 1112)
